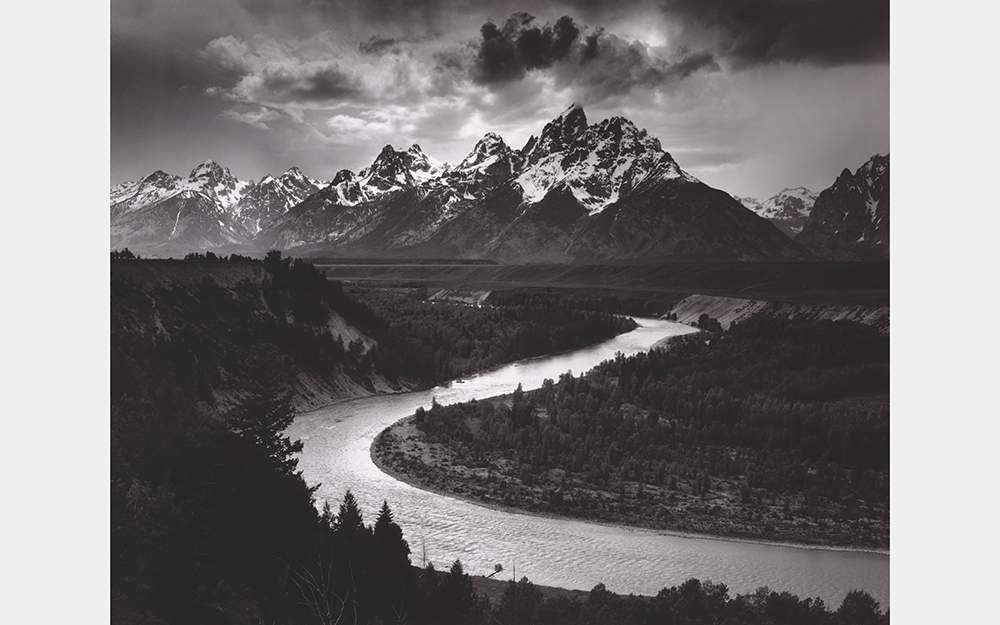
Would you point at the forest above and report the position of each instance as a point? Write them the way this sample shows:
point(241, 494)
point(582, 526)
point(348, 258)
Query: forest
point(774, 429)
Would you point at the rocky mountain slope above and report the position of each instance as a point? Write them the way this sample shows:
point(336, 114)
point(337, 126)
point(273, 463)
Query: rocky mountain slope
point(574, 192)
point(850, 219)
point(788, 209)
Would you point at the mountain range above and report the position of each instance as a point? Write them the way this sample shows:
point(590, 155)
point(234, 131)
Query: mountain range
point(573, 192)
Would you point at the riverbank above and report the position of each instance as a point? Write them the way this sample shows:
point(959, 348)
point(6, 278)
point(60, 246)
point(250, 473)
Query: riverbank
point(722, 512)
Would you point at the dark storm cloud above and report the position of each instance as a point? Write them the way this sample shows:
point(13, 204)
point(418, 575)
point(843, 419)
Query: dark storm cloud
point(600, 62)
point(506, 52)
point(821, 32)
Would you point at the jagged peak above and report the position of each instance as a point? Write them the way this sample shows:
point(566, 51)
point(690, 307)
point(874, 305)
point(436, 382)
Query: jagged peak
point(491, 145)
point(618, 126)
point(211, 165)
point(159, 174)
point(557, 135)
point(877, 163)
point(572, 120)
point(529, 144)
point(491, 142)
point(344, 175)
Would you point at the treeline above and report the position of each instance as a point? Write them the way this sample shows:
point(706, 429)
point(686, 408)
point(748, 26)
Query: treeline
point(211, 256)
point(759, 408)
point(694, 602)
point(437, 342)
point(127, 254)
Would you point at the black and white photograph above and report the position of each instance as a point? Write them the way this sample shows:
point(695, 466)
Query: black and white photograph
point(514, 313)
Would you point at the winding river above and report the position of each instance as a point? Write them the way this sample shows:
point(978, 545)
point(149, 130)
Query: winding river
point(555, 552)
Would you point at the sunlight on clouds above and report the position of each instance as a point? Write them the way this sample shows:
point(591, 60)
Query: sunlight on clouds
point(257, 119)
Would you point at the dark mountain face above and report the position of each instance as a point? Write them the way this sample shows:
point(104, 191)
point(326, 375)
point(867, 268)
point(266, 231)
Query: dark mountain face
point(576, 191)
point(557, 135)
point(851, 218)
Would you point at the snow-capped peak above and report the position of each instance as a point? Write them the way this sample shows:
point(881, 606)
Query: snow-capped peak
point(598, 164)
point(132, 196)
point(557, 135)
point(424, 167)
point(488, 149)
point(217, 183)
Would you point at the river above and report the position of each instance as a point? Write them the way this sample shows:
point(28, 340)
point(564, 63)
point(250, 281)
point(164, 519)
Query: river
point(555, 552)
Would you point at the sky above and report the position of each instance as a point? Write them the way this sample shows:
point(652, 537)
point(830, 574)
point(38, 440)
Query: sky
point(750, 96)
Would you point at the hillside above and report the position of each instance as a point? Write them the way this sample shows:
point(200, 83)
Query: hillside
point(228, 328)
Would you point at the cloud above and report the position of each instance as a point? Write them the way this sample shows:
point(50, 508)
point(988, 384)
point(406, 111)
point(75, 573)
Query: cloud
point(295, 75)
point(820, 32)
point(599, 64)
point(311, 82)
point(258, 118)
point(608, 65)
point(506, 52)
point(350, 129)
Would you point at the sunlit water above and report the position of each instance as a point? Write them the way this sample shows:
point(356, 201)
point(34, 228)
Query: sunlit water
point(555, 552)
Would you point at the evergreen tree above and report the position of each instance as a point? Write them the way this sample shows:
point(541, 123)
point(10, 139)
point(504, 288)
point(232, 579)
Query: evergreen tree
point(263, 419)
point(349, 522)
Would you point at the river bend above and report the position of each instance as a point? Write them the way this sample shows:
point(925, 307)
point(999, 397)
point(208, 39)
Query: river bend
point(555, 552)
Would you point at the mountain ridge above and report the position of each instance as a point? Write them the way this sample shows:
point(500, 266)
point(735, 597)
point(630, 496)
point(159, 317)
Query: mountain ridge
point(576, 191)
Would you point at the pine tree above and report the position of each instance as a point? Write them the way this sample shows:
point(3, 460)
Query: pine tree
point(349, 522)
point(263, 419)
